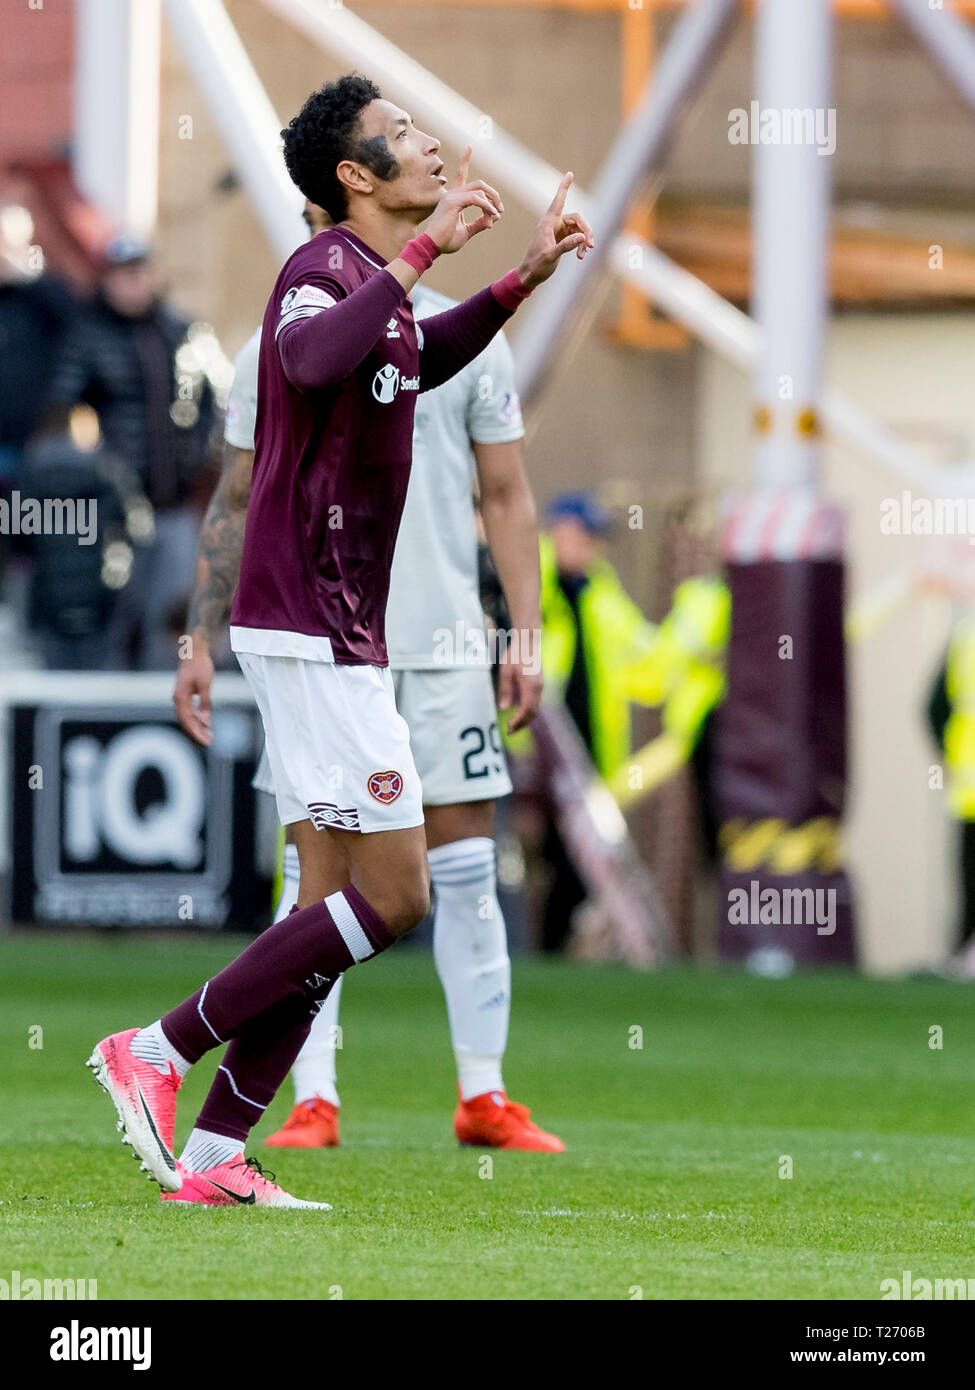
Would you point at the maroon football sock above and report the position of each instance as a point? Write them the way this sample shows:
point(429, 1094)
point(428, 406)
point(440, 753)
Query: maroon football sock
point(298, 958)
point(253, 1068)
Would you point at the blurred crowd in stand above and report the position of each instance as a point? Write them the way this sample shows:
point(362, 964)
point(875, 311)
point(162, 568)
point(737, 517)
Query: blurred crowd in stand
point(108, 415)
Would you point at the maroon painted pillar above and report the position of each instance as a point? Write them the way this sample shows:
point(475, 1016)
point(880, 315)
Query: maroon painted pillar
point(781, 737)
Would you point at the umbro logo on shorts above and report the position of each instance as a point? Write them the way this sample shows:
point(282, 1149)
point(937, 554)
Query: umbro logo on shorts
point(385, 786)
point(325, 813)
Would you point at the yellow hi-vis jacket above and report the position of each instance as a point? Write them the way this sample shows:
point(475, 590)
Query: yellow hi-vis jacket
point(630, 659)
point(959, 733)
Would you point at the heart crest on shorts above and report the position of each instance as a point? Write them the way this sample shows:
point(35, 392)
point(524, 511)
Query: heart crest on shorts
point(385, 786)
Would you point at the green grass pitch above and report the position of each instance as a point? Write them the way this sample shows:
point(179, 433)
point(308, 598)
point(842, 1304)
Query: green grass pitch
point(671, 1184)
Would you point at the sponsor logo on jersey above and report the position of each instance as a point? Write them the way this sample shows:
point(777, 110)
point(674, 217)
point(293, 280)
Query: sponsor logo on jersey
point(392, 331)
point(388, 381)
point(303, 302)
point(385, 786)
point(509, 408)
point(301, 296)
point(384, 383)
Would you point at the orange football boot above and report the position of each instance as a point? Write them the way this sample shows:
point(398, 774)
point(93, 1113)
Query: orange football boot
point(492, 1121)
point(314, 1124)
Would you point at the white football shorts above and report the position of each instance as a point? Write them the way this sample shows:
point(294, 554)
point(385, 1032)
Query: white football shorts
point(453, 724)
point(336, 748)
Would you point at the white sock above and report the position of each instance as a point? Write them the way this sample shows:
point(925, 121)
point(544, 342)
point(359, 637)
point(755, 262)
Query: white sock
point(314, 1070)
point(204, 1150)
point(151, 1045)
point(290, 874)
point(470, 950)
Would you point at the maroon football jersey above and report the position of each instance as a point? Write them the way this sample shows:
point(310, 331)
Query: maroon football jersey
point(331, 469)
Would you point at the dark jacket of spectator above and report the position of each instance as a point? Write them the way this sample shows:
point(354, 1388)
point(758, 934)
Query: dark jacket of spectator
point(69, 595)
point(34, 316)
point(156, 417)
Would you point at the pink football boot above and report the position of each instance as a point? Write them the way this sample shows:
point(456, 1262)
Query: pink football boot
point(145, 1101)
point(241, 1182)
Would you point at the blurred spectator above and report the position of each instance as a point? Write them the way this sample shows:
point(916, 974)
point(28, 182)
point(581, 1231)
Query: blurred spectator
point(600, 654)
point(36, 310)
point(127, 357)
point(582, 599)
point(82, 560)
point(951, 716)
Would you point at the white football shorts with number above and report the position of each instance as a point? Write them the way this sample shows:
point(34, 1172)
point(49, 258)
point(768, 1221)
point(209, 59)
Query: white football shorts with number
point(434, 614)
point(453, 724)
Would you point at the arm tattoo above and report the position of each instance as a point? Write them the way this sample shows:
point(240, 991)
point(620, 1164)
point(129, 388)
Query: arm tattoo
point(221, 545)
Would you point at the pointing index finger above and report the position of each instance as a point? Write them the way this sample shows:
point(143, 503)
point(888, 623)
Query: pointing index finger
point(558, 202)
point(463, 165)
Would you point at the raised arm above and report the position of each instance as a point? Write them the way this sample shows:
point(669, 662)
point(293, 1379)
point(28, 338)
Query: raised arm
point(454, 338)
point(321, 338)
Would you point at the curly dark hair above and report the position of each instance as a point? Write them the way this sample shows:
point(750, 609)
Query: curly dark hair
point(327, 130)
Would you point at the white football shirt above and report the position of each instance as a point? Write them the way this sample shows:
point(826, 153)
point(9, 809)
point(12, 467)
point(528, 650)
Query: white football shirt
point(434, 611)
point(241, 417)
point(433, 592)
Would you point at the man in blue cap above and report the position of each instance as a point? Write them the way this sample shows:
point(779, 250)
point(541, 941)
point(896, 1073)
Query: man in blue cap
point(585, 612)
point(600, 654)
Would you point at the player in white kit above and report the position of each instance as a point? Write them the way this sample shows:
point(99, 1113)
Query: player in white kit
point(469, 428)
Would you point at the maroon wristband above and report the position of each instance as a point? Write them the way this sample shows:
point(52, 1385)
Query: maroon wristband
point(509, 291)
point(420, 253)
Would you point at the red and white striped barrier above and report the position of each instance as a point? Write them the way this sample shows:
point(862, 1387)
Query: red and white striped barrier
point(780, 524)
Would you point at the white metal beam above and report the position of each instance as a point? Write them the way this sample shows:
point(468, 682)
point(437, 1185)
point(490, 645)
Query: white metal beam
point(116, 115)
point(732, 335)
point(947, 38)
point(242, 112)
point(790, 240)
point(638, 152)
